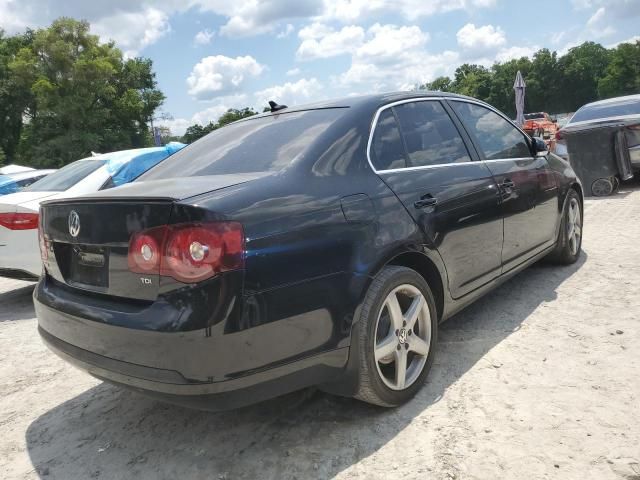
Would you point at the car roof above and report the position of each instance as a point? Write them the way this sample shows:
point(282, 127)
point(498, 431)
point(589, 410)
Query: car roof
point(370, 100)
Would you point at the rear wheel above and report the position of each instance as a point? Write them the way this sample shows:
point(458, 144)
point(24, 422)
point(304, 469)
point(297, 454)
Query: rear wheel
point(397, 337)
point(569, 244)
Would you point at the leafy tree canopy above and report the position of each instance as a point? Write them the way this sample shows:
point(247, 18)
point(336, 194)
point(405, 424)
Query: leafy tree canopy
point(74, 95)
point(586, 73)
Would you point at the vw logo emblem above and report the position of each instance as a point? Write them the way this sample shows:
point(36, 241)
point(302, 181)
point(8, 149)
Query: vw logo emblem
point(74, 223)
point(402, 335)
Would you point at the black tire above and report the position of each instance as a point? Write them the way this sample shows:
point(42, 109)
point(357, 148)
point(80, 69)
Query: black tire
point(371, 387)
point(563, 253)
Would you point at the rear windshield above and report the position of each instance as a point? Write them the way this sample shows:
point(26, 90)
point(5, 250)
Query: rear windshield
point(263, 144)
point(66, 177)
point(607, 110)
point(533, 116)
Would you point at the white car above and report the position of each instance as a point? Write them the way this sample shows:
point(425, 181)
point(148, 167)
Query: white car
point(14, 182)
point(19, 251)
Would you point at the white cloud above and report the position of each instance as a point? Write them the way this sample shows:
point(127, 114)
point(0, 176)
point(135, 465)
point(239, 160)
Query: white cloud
point(351, 10)
point(599, 25)
point(478, 41)
point(253, 17)
point(390, 41)
point(133, 32)
point(218, 75)
point(395, 58)
point(514, 53)
point(177, 125)
point(286, 32)
point(293, 72)
point(203, 37)
point(320, 41)
point(291, 93)
point(620, 9)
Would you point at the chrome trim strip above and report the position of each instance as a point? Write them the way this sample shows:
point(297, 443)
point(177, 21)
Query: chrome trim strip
point(425, 167)
point(374, 124)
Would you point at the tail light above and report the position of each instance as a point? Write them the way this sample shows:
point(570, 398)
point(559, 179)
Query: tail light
point(19, 221)
point(189, 253)
point(559, 135)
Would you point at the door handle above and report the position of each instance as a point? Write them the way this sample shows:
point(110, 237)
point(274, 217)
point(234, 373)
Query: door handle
point(426, 201)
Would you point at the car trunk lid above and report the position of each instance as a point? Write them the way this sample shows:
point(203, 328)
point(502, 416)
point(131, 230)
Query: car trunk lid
point(88, 237)
point(88, 244)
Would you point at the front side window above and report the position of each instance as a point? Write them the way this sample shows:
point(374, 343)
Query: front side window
point(387, 151)
point(430, 135)
point(496, 137)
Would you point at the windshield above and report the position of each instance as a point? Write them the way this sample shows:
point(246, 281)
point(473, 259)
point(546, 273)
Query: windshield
point(261, 144)
point(619, 108)
point(533, 116)
point(66, 177)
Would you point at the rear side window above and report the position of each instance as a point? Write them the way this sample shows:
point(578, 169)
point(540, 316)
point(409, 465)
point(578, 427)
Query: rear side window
point(430, 136)
point(496, 137)
point(66, 177)
point(387, 150)
point(620, 108)
point(262, 144)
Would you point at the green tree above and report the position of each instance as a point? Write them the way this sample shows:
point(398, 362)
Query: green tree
point(473, 81)
point(622, 75)
point(543, 81)
point(582, 68)
point(14, 98)
point(86, 97)
point(501, 93)
point(440, 84)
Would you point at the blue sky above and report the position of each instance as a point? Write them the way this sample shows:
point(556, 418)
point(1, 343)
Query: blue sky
point(210, 55)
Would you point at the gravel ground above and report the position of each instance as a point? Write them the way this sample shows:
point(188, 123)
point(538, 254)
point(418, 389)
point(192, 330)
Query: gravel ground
point(537, 380)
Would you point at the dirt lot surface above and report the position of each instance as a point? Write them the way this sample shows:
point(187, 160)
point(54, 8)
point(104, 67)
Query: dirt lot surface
point(540, 379)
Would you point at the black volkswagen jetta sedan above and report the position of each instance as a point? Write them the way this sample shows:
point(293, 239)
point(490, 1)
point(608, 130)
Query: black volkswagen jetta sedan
point(316, 245)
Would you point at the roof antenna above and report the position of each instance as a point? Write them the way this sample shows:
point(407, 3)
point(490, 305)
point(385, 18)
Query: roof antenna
point(275, 107)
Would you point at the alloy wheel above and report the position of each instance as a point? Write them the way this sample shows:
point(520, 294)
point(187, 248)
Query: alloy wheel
point(574, 226)
point(402, 337)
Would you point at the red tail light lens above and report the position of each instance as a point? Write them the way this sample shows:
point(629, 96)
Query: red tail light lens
point(145, 250)
point(19, 221)
point(559, 135)
point(189, 253)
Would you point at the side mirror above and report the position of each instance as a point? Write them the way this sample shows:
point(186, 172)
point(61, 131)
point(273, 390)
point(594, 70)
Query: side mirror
point(540, 147)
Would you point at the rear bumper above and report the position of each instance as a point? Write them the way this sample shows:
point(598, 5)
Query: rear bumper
point(210, 368)
point(171, 387)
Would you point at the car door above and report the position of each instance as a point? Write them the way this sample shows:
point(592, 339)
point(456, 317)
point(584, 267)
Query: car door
point(420, 153)
point(527, 185)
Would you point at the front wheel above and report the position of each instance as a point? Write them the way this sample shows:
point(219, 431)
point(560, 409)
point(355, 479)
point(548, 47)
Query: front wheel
point(569, 243)
point(397, 337)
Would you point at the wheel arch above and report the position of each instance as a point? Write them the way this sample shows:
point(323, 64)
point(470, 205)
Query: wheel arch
point(428, 270)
